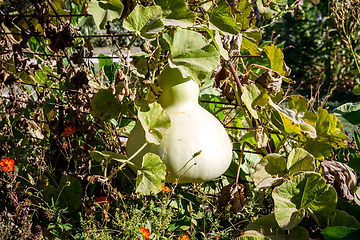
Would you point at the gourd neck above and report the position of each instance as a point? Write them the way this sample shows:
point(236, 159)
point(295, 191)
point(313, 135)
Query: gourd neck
point(177, 90)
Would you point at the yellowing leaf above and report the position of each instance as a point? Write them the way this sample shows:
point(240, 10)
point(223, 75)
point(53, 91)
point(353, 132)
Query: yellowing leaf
point(276, 58)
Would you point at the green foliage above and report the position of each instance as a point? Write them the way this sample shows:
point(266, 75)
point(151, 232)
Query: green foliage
point(66, 124)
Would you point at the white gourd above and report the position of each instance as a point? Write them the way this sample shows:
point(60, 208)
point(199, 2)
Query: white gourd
point(193, 129)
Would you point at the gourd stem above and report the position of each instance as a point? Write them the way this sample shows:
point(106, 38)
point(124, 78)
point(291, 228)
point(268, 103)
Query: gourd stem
point(139, 150)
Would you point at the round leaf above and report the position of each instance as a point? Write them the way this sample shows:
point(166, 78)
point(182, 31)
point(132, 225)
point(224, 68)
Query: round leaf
point(270, 170)
point(154, 122)
point(151, 176)
point(300, 160)
point(304, 191)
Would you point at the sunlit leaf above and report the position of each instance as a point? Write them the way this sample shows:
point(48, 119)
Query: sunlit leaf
point(337, 232)
point(222, 19)
point(304, 191)
point(300, 160)
point(191, 53)
point(176, 13)
point(276, 58)
point(151, 175)
point(297, 102)
point(104, 11)
point(246, 17)
point(154, 122)
point(144, 21)
point(270, 170)
point(356, 90)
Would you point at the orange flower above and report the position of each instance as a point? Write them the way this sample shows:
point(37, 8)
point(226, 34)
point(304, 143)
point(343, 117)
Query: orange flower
point(145, 232)
point(183, 237)
point(165, 189)
point(7, 164)
point(69, 131)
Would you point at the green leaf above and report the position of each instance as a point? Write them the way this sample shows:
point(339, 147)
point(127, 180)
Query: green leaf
point(246, 9)
point(342, 218)
point(222, 19)
point(151, 176)
point(267, 12)
point(154, 122)
point(337, 232)
point(294, 198)
point(191, 53)
point(299, 103)
point(104, 11)
point(289, 119)
point(300, 160)
point(144, 21)
point(104, 60)
point(270, 170)
point(254, 95)
point(349, 111)
point(176, 13)
point(104, 105)
point(356, 90)
point(252, 47)
point(320, 150)
point(267, 226)
point(276, 58)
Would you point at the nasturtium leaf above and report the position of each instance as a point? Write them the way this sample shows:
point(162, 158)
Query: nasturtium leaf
point(270, 171)
point(144, 21)
point(300, 160)
point(154, 122)
point(294, 198)
point(104, 105)
point(176, 13)
point(267, 226)
point(356, 90)
point(337, 232)
point(151, 175)
point(297, 102)
point(104, 11)
point(191, 53)
point(276, 58)
point(222, 19)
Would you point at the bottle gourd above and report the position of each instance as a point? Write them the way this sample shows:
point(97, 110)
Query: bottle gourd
point(193, 129)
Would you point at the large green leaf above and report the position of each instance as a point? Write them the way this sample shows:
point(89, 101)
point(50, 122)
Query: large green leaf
point(104, 105)
point(104, 11)
point(151, 175)
point(145, 21)
point(320, 150)
point(154, 121)
point(270, 171)
point(222, 19)
point(300, 160)
point(176, 13)
point(276, 58)
point(267, 226)
point(294, 199)
point(246, 16)
point(356, 90)
point(191, 53)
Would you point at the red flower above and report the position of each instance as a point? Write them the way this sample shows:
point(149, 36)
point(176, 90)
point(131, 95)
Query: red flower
point(145, 232)
point(7, 164)
point(183, 237)
point(69, 131)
